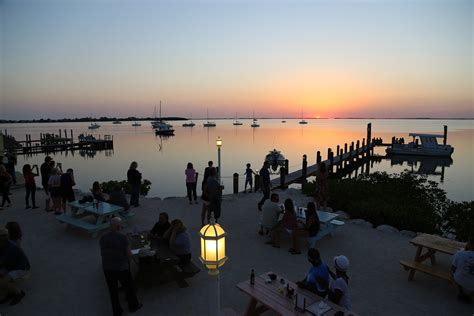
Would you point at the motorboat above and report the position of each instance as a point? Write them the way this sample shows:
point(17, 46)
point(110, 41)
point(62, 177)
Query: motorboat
point(117, 122)
point(94, 126)
point(275, 158)
point(165, 130)
point(237, 123)
point(136, 124)
point(422, 145)
point(189, 124)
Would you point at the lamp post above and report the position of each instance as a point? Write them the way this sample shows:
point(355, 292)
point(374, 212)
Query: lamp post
point(213, 256)
point(219, 145)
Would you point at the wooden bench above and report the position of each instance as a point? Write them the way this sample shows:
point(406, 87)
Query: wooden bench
point(76, 222)
point(325, 230)
point(189, 269)
point(418, 266)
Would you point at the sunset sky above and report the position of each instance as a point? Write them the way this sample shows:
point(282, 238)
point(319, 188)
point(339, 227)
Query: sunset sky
point(353, 58)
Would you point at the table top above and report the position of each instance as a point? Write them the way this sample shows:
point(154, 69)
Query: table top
point(324, 217)
point(103, 208)
point(269, 295)
point(139, 240)
point(438, 243)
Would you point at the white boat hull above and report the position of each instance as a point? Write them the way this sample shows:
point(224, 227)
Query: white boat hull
point(439, 151)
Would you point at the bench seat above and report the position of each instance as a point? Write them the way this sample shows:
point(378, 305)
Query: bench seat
point(418, 266)
point(80, 223)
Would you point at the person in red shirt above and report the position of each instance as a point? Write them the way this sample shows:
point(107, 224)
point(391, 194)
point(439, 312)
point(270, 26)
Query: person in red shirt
point(30, 184)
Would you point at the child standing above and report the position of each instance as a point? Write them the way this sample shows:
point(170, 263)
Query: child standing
point(248, 178)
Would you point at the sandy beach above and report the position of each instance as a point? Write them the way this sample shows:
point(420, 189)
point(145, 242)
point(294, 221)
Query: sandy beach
point(67, 278)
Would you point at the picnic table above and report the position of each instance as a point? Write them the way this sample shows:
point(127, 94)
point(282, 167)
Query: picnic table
point(101, 212)
point(161, 267)
point(432, 244)
point(266, 296)
point(328, 221)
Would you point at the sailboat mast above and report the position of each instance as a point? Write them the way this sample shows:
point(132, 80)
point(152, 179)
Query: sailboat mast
point(160, 110)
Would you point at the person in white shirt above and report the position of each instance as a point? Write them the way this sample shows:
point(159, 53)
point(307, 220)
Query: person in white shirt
point(463, 271)
point(339, 290)
point(270, 213)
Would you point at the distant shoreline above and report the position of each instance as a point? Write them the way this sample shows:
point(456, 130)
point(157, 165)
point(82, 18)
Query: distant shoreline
point(177, 118)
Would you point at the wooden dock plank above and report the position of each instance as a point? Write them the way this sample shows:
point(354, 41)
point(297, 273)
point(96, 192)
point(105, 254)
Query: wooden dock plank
point(295, 176)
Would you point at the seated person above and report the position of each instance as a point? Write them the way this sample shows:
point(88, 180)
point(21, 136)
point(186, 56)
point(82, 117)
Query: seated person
point(97, 192)
point(312, 225)
point(317, 280)
point(160, 227)
point(290, 225)
point(13, 265)
point(14, 233)
point(463, 274)
point(117, 197)
point(179, 241)
point(339, 291)
point(270, 213)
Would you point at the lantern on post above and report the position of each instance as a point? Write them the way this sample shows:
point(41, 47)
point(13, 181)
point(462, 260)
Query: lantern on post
point(219, 145)
point(213, 246)
point(213, 257)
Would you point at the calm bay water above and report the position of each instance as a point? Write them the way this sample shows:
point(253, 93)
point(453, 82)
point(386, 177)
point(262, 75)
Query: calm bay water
point(163, 161)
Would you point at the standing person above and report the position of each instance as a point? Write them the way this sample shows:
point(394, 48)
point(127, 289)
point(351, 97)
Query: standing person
point(248, 178)
point(54, 188)
point(321, 194)
point(135, 180)
point(10, 166)
point(214, 191)
point(339, 291)
point(463, 271)
point(191, 178)
point(205, 198)
point(5, 182)
point(30, 184)
point(115, 252)
point(67, 182)
point(45, 170)
point(266, 185)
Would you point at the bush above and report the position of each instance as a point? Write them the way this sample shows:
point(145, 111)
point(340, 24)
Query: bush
point(108, 186)
point(458, 220)
point(404, 201)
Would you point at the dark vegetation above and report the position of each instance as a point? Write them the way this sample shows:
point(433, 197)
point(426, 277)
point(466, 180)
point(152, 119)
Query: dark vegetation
point(108, 186)
point(405, 201)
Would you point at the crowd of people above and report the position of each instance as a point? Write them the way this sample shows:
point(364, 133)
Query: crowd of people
point(276, 220)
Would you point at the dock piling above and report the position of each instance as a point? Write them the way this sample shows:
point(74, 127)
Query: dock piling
point(236, 183)
point(304, 172)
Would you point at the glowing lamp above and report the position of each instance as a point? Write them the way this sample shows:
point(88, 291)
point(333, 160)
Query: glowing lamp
point(213, 246)
point(219, 142)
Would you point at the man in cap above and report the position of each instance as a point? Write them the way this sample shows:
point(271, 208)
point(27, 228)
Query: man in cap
point(115, 251)
point(317, 280)
point(339, 290)
point(13, 265)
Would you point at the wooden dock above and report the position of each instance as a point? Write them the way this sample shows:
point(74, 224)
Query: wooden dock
point(345, 159)
point(50, 143)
